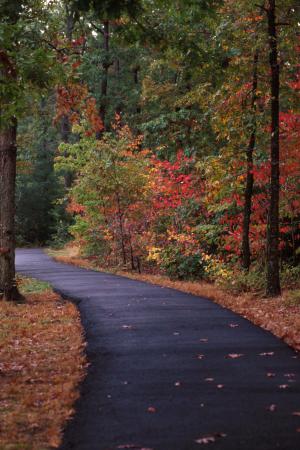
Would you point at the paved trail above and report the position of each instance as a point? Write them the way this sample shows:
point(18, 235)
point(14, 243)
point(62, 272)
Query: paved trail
point(145, 345)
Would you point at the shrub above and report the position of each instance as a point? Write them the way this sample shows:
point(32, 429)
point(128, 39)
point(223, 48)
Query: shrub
point(177, 265)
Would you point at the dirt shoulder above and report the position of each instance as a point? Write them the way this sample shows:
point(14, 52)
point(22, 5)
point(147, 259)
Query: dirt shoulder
point(42, 362)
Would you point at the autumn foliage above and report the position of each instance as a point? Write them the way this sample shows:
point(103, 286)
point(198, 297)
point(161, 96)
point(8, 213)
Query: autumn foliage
point(41, 364)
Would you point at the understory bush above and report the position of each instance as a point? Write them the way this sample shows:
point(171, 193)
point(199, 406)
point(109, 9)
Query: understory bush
point(179, 266)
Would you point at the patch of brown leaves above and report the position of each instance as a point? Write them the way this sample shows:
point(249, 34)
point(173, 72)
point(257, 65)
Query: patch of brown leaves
point(41, 364)
point(273, 314)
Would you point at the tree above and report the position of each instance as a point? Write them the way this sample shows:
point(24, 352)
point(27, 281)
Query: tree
point(273, 277)
point(246, 253)
point(23, 66)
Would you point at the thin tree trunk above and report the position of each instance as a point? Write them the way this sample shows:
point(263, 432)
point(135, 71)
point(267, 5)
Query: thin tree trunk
point(131, 253)
point(136, 82)
point(104, 82)
point(246, 253)
point(8, 155)
point(273, 275)
point(65, 127)
point(120, 217)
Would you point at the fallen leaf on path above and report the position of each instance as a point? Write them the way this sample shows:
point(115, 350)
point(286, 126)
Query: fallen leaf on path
point(234, 355)
point(151, 409)
point(209, 439)
point(177, 384)
point(127, 327)
point(133, 446)
point(205, 440)
point(266, 354)
point(233, 325)
point(220, 386)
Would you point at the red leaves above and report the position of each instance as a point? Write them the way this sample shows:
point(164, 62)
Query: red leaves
point(171, 186)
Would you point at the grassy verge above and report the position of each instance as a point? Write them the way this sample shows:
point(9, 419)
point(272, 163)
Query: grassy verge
point(41, 364)
point(280, 316)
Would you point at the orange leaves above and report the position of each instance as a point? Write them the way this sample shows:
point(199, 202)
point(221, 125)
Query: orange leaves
point(73, 100)
point(41, 365)
point(74, 207)
point(92, 115)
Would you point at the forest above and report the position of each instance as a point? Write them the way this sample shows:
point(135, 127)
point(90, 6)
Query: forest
point(158, 136)
point(149, 224)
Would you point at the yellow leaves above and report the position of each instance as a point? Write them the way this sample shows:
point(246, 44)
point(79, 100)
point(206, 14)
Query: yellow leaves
point(215, 269)
point(154, 254)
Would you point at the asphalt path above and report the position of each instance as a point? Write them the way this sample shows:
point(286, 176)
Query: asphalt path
point(172, 371)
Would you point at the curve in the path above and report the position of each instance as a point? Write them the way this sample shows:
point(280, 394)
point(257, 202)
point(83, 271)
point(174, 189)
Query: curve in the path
point(160, 377)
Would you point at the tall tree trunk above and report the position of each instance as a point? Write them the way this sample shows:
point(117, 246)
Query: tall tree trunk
point(65, 127)
point(104, 82)
point(8, 155)
point(273, 275)
point(136, 82)
point(246, 253)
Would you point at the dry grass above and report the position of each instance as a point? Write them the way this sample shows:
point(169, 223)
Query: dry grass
point(280, 316)
point(41, 364)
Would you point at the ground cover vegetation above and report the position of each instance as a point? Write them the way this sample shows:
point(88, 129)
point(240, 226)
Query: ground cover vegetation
point(161, 136)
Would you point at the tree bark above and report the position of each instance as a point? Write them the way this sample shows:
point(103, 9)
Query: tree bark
point(136, 82)
point(273, 275)
point(122, 235)
point(8, 155)
point(104, 82)
point(246, 252)
point(65, 126)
